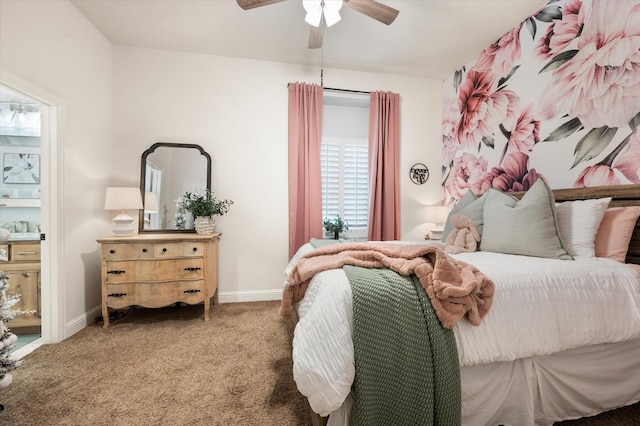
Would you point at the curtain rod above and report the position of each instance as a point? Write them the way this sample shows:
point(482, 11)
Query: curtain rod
point(347, 90)
point(343, 90)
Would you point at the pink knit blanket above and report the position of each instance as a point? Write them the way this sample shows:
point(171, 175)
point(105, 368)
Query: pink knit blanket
point(455, 288)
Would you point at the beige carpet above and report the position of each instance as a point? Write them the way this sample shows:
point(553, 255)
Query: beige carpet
point(168, 367)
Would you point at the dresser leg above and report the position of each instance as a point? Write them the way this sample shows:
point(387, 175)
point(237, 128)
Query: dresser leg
point(105, 316)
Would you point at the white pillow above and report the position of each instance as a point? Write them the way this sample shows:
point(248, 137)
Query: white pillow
point(578, 223)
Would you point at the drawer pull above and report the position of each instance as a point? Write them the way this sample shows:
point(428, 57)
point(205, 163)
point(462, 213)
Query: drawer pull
point(195, 249)
point(116, 272)
point(112, 251)
point(192, 291)
point(144, 250)
point(117, 294)
point(164, 249)
point(24, 253)
point(192, 268)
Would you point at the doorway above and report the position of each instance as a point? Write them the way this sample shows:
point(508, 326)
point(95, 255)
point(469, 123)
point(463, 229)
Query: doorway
point(29, 126)
point(20, 210)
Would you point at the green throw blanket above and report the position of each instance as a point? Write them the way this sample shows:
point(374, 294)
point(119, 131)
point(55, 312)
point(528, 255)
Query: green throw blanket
point(407, 370)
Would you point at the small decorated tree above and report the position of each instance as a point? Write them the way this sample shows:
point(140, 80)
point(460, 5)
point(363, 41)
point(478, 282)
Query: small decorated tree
point(7, 338)
point(179, 220)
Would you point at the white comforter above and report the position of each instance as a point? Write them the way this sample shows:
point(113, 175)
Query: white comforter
point(540, 307)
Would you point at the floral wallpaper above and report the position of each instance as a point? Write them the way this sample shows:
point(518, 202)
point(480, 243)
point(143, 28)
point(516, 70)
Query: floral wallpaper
point(557, 97)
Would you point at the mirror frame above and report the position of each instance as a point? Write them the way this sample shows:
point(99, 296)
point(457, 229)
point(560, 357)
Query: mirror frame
point(143, 164)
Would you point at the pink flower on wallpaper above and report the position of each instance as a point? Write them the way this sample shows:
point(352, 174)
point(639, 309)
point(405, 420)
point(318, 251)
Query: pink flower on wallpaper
point(525, 133)
point(501, 56)
point(561, 33)
point(628, 161)
point(597, 175)
point(483, 108)
point(466, 171)
point(513, 176)
point(601, 84)
point(451, 117)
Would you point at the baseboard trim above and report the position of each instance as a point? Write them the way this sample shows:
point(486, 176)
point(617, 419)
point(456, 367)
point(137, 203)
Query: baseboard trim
point(82, 321)
point(249, 296)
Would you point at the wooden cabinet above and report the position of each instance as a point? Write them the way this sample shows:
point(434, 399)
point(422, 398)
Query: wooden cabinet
point(155, 270)
point(23, 272)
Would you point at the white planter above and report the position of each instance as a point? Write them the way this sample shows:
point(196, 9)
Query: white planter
point(205, 225)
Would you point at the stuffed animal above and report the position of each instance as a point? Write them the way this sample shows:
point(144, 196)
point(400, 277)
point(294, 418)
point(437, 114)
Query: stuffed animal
point(464, 237)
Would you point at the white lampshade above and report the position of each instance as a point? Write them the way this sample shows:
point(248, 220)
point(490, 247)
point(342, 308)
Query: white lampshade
point(119, 198)
point(437, 215)
point(315, 9)
point(122, 198)
point(331, 11)
point(150, 202)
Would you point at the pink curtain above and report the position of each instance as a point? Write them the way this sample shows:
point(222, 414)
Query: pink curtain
point(384, 165)
point(305, 181)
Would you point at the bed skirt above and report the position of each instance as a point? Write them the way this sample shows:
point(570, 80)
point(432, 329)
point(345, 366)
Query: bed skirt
point(542, 390)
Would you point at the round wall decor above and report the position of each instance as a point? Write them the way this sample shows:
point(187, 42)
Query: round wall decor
point(419, 173)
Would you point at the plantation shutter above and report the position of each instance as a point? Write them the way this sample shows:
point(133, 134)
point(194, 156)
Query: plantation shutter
point(356, 185)
point(345, 180)
point(330, 171)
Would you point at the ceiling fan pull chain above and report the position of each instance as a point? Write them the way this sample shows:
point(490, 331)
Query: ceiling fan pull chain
point(322, 66)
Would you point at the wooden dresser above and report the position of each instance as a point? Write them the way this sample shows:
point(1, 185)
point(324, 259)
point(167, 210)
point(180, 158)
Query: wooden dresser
point(23, 272)
point(155, 270)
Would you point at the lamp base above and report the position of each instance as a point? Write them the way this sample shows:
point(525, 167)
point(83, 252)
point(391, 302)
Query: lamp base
point(436, 233)
point(122, 225)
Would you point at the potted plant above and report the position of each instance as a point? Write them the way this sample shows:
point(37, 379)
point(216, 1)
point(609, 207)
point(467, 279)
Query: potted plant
point(335, 226)
point(203, 208)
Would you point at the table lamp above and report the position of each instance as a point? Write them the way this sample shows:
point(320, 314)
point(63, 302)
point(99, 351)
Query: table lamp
point(436, 215)
point(150, 205)
point(123, 199)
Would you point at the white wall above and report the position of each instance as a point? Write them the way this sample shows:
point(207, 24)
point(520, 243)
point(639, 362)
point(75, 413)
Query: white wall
point(50, 45)
point(236, 109)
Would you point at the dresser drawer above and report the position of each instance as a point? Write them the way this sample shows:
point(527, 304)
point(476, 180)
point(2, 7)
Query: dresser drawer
point(181, 249)
point(155, 270)
point(127, 251)
point(155, 295)
point(24, 252)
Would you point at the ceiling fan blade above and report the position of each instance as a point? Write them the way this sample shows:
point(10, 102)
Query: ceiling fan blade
point(373, 9)
point(250, 4)
point(316, 35)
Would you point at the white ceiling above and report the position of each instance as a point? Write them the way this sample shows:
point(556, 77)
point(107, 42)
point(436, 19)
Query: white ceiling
point(429, 38)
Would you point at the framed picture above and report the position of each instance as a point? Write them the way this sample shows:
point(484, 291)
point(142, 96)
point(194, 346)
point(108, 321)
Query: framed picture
point(21, 167)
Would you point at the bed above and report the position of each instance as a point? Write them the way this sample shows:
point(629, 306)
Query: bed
point(569, 359)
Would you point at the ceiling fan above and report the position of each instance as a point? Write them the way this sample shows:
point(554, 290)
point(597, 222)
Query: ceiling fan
point(321, 13)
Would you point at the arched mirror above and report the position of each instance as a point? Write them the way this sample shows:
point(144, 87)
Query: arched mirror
point(167, 171)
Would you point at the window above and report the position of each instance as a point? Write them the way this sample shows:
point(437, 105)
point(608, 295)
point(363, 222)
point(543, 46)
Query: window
point(345, 160)
point(345, 182)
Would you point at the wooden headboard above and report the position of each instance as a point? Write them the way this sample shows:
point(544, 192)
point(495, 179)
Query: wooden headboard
point(622, 195)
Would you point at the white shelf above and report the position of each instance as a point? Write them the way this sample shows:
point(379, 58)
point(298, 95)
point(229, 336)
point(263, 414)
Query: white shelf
point(19, 202)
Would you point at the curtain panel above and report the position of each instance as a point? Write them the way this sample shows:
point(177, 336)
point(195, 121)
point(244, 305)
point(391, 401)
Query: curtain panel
point(305, 180)
point(384, 166)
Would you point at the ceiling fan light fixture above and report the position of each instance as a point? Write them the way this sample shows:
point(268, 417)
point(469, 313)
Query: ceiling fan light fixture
point(332, 11)
point(314, 11)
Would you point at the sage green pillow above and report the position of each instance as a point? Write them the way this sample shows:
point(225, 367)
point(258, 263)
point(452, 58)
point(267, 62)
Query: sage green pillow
point(527, 227)
point(468, 198)
point(475, 212)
